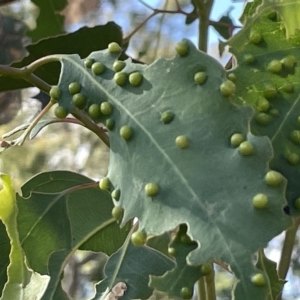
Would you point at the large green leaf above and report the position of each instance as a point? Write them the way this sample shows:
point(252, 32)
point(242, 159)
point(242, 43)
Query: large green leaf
point(209, 185)
point(82, 42)
point(280, 121)
point(49, 21)
point(133, 265)
point(22, 283)
point(59, 213)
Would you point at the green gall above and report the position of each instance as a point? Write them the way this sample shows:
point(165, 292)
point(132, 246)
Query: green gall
point(186, 293)
point(171, 251)
point(275, 66)
point(298, 120)
point(231, 77)
point(236, 139)
point(274, 112)
point(255, 37)
point(167, 117)
point(110, 124)
point(79, 100)
point(249, 59)
point(60, 112)
point(227, 88)
point(139, 238)
point(258, 280)
point(288, 87)
point(104, 184)
point(262, 105)
point(260, 201)
point(120, 78)
point(114, 47)
point(289, 61)
point(182, 48)
point(297, 203)
point(185, 239)
point(106, 108)
point(117, 213)
point(94, 111)
point(74, 88)
point(273, 178)
point(126, 132)
point(262, 118)
point(98, 68)
point(136, 79)
point(55, 93)
point(88, 62)
point(295, 136)
point(293, 158)
point(272, 15)
point(151, 189)
point(182, 141)
point(246, 148)
point(119, 65)
point(206, 269)
point(200, 77)
point(116, 194)
point(270, 91)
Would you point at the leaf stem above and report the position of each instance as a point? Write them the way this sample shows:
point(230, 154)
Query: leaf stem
point(99, 131)
point(287, 249)
point(201, 292)
point(203, 10)
point(210, 284)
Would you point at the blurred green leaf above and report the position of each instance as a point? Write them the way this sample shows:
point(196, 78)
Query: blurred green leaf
point(224, 31)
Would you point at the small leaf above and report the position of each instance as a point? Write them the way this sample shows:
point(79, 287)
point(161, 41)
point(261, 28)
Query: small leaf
point(224, 31)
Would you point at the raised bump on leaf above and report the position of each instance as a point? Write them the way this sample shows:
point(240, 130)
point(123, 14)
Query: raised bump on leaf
point(104, 184)
point(139, 238)
point(236, 139)
point(110, 124)
point(262, 118)
point(151, 189)
point(289, 61)
point(227, 88)
point(275, 66)
point(88, 62)
point(74, 88)
point(60, 112)
point(94, 111)
point(98, 68)
point(182, 48)
point(167, 117)
point(262, 105)
point(186, 293)
point(116, 194)
point(249, 59)
point(295, 136)
point(246, 148)
point(200, 77)
point(258, 280)
point(288, 87)
point(117, 213)
point(114, 47)
point(255, 37)
point(231, 77)
point(106, 108)
point(273, 178)
point(274, 112)
point(260, 201)
point(171, 251)
point(79, 100)
point(206, 269)
point(297, 203)
point(120, 78)
point(126, 132)
point(119, 65)
point(270, 91)
point(136, 79)
point(293, 158)
point(182, 141)
point(55, 92)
